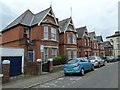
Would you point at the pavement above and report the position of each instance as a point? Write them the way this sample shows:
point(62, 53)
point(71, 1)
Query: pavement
point(33, 81)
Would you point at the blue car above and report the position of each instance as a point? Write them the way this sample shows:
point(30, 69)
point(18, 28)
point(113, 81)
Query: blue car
point(77, 65)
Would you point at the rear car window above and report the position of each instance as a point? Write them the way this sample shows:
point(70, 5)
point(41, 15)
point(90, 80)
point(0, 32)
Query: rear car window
point(72, 61)
point(91, 58)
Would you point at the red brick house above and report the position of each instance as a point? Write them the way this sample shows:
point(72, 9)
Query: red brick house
point(94, 44)
point(67, 38)
point(108, 48)
point(83, 42)
point(30, 31)
point(101, 46)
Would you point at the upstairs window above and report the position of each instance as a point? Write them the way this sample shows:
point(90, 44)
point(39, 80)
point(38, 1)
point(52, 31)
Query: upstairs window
point(85, 42)
point(45, 32)
point(74, 39)
point(88, 42)
point(69, 38)
point(95, 45)
point(53, 33)
point(26, 32)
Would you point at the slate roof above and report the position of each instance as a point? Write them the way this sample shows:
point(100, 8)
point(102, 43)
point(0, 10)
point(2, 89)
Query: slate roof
point(107, 44)
point(92, 34)
point(81, 31)
point(99, 39)
point(28, 18)
point(64, 24)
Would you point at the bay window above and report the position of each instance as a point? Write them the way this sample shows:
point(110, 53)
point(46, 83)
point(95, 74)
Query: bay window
point(74, 39)
point(53, 33)
point(54, 53)
point(69, 54)
point(69, 38)
point(45, 32)
point(74, 54)
point(45, 54)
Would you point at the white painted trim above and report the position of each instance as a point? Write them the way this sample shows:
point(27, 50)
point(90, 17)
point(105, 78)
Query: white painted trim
point(43, 17)
point(71, 48)
point(50, 46)
point(53, 17)
point(1, 75)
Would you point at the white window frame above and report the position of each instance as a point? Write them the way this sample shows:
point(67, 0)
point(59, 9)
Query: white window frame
point(74, 39)
point(46, 32)
point(69, 54)
point(68, 38)
point(88, 42)
point(74, 54)
point(54, 53)
point(46, 54)
point(53, 33)
point(85, 42)
point(26, 32)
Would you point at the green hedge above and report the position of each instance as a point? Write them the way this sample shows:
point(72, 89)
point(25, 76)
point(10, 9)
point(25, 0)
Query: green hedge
point(59, 60)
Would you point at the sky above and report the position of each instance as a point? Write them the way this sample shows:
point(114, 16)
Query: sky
point(100, 16)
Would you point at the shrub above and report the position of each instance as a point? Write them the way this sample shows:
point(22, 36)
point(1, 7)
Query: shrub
point(59, 60)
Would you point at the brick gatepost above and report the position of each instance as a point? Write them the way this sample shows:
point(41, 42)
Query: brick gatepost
point(5, 71)
point(50, 65)
point(39, 63)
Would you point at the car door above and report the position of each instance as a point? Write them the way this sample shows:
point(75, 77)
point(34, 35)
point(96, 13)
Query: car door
point(84, 64)
point(88, 64)
point(101, 63)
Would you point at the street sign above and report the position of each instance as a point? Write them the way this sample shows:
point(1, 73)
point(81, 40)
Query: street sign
point(42, 48)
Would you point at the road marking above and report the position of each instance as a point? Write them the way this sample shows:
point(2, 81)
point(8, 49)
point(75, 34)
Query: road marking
point(60, 78)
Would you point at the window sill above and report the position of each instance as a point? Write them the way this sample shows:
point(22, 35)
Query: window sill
point(49, 40)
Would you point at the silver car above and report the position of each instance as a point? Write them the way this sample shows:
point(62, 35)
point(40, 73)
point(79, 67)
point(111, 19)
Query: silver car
point(97, 61)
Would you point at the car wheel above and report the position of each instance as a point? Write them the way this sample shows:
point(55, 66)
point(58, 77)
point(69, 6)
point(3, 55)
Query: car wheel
point(99, 65)
point(92, 68)
point(82, 72)
point(104, 63)
point(66, 74)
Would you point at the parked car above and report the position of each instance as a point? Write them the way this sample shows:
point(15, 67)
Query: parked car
point(116, 58)
point(97, 61)
point(77, 65)
point(110, 59)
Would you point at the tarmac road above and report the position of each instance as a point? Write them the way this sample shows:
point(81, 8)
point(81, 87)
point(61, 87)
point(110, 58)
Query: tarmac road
point(104, 77)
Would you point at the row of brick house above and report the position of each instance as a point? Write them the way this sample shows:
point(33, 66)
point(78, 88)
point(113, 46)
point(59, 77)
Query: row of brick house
point(30, 31)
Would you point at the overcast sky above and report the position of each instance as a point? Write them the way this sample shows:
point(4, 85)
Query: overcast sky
point(100, 16)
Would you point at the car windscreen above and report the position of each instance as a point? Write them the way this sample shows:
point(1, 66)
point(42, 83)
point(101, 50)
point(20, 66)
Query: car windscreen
point(91, 58)
point(72, 61)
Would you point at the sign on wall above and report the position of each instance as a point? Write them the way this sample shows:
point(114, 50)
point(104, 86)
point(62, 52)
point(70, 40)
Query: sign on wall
point(42, 48)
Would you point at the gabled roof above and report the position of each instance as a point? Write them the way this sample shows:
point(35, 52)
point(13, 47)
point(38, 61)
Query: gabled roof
point(29, 19)
point(24, 19)
point(92, 34)
point(99, 39)
point(107, 44)
point(81, 31)
point(39, 16)
point(64, 24)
